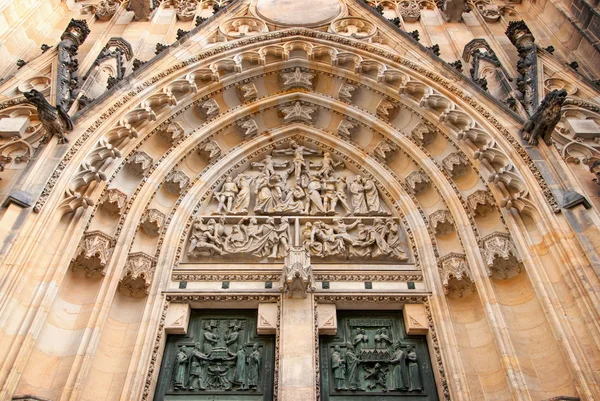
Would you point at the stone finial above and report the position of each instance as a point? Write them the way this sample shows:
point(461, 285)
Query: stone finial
point(385, 151)
point(211, 150)
point(176, 181)
point(93, 253)
point(456, 165)
point(423, 135)
point(441, 222)
point(137, 275)
point(347, 92)
point(173, 132)
point(248, 128)
point(418, 182)
point(247, 92)
point(208, 109)
point(139, 163)
point(455, 275)
point(299, 112)
point(346, 128)
point(481, 203)
point(152, 221)
point(386, 109)
point(113, 201)
point(500, 256)
point(296, 79)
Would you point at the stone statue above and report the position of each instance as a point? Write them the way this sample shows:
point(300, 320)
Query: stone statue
point(359, 202)
point(338, 365)
point(240, 376)
point(378, 377)
point(352, 369)
point(293, 201)
point(55, 120)
point(398, 361)
point(327, 166)
point(544, 120)
point(298, 152)
point(196, 374)
point(181, 363)
point(414, 374)
point(340, 192)
point(372, 196)
point(268, 193)
point(226, 196)
point(394, 241)
point(254, 361)
point(242, 202)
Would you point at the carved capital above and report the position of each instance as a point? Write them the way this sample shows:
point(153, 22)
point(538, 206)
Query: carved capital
point(139, 163)
point(481, 203)
point(418, 182)
point(176, 181)
point(456, 165)
point(441, 222)
point(113, 201)
point(137, 275)
point(455, 275)
point(500, 256)
point(93, 253)
point(152, 221)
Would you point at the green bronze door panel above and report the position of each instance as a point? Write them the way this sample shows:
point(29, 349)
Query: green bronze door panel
point(221, 358)
point(371, 358)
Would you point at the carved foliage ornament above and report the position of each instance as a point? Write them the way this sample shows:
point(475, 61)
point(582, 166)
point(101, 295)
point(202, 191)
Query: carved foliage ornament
point(418, 182)
point(114, 201)
point(296, 79)
point(409, 10)
point(481, 203)
point(152, 221)
point(456, 275)
point(441, 222)
point(500, 256)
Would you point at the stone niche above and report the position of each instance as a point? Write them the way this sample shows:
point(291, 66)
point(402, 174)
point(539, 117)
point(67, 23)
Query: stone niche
point(372, 358)
point(220, 358)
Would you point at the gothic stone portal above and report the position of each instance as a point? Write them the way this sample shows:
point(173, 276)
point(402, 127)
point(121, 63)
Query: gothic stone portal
point(372, 358)
point(220, 358)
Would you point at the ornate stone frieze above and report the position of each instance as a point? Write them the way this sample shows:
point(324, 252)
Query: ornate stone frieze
point(297, 278)
point(409, 10)
point(347, 92)
point(248, 128)
point(139, 163)
point(247, 92)
point(441, 222)
point(93, 253)
point(542, 123)
point(113, 201)
point(418, 182)
point(455, 164)
point(481, 203)
point(55, 120)
point(172, 132)
point(347, 128)
point(176, 181)
point(296, 79)
point(423, 135)
point(211, 150)
point(500, 256)
point(137, 275)
point(105, 9)
point(298, 112)
point(208, 109)
point(152, 221)
point(455, 275)
point(386, 109)
point(385, 151)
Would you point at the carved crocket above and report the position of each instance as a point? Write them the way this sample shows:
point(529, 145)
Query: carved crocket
point(55, 120)
point(544, 120)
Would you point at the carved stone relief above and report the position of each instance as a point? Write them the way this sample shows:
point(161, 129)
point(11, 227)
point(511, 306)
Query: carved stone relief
point(208, 109)
point(347, 128)
point(298, 112)
point(105, 9)
point(441, 222)
point(385, 151)
point(247, 92)
point(481, 203)
point(114, 201)
point(354, 27)
point(173, 132)
point(347, 92)
point(93, 253)
point(423, 135)
point(243, 26)
point(410, 10)
point(137, 275)
point(152, 221)
point(176, 181)
point(186, 10)
point(386, 109)
point(418, 182)
point(456, 275)
point(455, 164)
point(500, 256)
point(139, 163)
point(248, 128)
point(296, 79)
point(211, 150)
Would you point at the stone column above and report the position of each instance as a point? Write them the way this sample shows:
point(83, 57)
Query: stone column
point(297, 368)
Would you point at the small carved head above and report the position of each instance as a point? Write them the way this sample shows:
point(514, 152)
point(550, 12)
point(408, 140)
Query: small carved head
point(35, 97)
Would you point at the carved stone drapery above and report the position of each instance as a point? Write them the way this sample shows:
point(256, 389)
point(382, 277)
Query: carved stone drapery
point(296, 79)
point(456, 275)
point(93, 253)
point(152, 221)
point(456, 165)
point(299, 111)
point(139, 163)
point(423, 135)
point(113, 201)
point(137, 275)
point(418, 182)
point(481, 203)
point(500, 256)
point(176, 181)
point(441, 222)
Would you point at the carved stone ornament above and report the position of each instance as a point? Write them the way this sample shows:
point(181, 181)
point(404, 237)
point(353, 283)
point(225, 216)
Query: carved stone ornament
point(452, 10)
point(75, 200)
point(152, 221)
point(186, 9)
point(481, 203)
point(423, 135)
point(386, 109)
point(418, 182)
point(211, 150)
point(297, 278)
point(346, 128)
point(542, 123)
point(489, 12)
point(296, 79)
point(409, 10)
point(238, 27)
point(385, 151)
point(93, 253)
point(208, 109)
point(247, 92)
point(298, 112)
point(441, 222)
point(173, 132)
point(55, 120)
point(139, 163)
point(347, 92)
point(248, 128)
point(527, 83)
point(106, 9)
point(455, 275)
point(500, 256)
point(137, 275)
point(354, 27)
point(113, 201)
point(455, 164)
point(176, 181)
